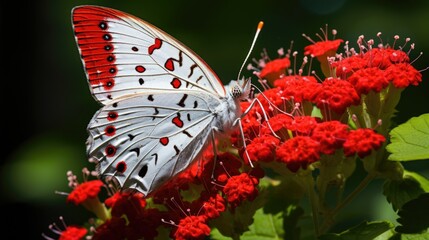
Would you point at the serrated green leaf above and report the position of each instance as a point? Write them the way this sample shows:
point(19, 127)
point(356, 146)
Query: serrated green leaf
point(265, 227)
point(410, 141)
point(364, 231)
point(424, 182)
point(414, 215)
point(398, 192)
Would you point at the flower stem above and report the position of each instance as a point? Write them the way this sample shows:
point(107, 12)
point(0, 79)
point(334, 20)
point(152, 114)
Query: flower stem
point(362, 185)
point(309, 182)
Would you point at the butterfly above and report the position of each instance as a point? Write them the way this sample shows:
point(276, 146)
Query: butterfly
point(161, 103)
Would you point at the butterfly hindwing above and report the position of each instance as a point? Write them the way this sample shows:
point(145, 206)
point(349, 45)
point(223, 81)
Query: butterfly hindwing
point(124, 55)
point(146, 139)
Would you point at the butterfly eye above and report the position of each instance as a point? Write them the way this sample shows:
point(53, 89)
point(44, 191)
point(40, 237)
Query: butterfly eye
point(236, 92)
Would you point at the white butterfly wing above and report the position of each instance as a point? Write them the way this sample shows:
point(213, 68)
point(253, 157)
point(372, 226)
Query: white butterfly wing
point(124, 55)
point(159, 98)
point(145, 140)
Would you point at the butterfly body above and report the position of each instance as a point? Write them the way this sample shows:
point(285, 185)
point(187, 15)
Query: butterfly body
point(161, 102)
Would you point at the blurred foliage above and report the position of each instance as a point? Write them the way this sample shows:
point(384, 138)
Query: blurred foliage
point(48, 104)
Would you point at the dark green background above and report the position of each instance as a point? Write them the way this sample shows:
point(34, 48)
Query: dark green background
point(46, 103)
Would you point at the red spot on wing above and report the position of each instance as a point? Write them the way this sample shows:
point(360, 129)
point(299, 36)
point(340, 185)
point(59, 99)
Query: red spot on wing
point(121, 167)
point(110, 130)
point(110, 150)
point(107, 83)
point(176, 83)
point(111, 116)
point(177, 121)
point(140, 69)
point(156, 45)
point(164, 141)
point(169, 64)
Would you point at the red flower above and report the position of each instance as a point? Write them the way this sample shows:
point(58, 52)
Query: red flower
point(128, 203)
point(297, 88)
point(230, 163)
point(331, 135)
point(368, 79)
point(323, 48)
point(298, 152)
point(83, 191)
point(384, 57)
point(275, 68)
point(362, 141)
point(73, 233)
point(192, 227)
point(347, 66)
point(279, 122)
point(335, 94)
point(403, 74)
point(239, 188)
point(213, 206)
point(269, 98)
point(302, 125)
point(262, 148)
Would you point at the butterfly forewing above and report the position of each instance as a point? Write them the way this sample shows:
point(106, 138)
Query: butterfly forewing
point(146, 139)
point(123, 56)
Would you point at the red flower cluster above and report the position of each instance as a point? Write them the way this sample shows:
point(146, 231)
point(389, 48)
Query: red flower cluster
point(192, 227)
point(373, 69)
point(298, 121)
point(275, 68)
point(297, 139)
point(131, 217)
point(362, 142)
point(85, 191)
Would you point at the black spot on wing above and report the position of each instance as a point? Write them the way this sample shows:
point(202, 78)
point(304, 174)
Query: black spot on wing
point(156, 157)
point(177, 150)
point(136, 150)
point(143, 171)
point(182, 101)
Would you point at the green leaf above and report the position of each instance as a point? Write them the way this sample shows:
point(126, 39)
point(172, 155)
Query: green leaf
point(265, 227)
point(424, 182)
point(398, 192)
point(216, 235)
point(364, 231)
point(419, 236)
point(410, 141)
point(414, 215)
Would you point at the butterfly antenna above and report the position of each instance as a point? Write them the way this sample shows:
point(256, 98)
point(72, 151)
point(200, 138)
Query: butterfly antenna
point(258, 30)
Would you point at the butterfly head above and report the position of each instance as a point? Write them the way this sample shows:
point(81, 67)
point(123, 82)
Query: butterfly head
point(240, 89)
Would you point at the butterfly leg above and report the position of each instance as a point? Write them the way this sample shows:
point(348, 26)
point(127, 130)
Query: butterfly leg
point(238, 121)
